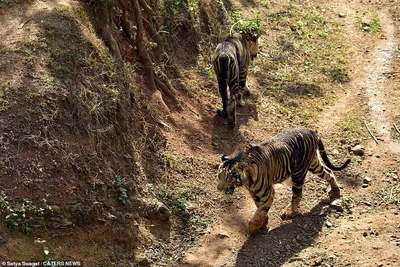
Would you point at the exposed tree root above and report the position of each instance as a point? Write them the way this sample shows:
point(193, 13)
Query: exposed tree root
point(144, 18)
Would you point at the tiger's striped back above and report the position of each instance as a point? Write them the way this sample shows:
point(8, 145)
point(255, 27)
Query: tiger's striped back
point(231, 63)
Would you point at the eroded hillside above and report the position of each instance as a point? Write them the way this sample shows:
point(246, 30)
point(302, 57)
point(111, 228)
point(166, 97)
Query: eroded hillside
point(109, 154)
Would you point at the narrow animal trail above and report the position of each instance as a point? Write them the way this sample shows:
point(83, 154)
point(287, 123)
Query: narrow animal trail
point(365, 236)
point(375, 84)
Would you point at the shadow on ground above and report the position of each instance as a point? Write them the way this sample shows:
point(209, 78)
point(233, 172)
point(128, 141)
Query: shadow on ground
point(282, 243)
point(227, 141)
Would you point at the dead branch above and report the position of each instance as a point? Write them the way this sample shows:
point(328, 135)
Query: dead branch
point(25, 22)
point(391, 194)
point(395, 126)
point(376, 140)
point(391, 72)
point(146, 7)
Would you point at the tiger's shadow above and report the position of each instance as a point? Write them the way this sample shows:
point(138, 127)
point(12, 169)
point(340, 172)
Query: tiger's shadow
point(226, 140)
point(277, 246)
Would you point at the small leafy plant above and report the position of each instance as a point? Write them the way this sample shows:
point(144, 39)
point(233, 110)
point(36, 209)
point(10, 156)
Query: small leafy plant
point(119, 180)
point(178, 199)
point(3, 201)
point(5, 2)
point(168, 159)
point(371, 24)
point(181, 202)
point(5, 89)
point(123, 192)
point(25, 228)
point(123, 195)
point(251, 25)
point(21, 216)
point(50, 257)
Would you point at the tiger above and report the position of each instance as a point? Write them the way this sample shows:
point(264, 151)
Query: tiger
point(231, 62)
point(259, 167)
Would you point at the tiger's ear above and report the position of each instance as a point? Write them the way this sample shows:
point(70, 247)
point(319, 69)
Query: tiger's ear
point(256, 35)
point(224, 158)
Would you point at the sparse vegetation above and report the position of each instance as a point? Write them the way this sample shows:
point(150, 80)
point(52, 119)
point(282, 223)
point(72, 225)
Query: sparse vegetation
point(246, 25)
point(50, 257)
point(309, 55)
point(351, 125)
point(121, 183)
point(177, 199)
point(3, 201)
point(21, 216)
point(5, 2)
point(5, 89)
point(370, 23)
point(338, 74)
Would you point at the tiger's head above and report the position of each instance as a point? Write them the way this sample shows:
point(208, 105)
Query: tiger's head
point(252, 43)
point(229, 175)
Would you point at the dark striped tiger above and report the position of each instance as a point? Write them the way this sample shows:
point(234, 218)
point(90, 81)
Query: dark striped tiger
point(261, 166)
point(231, 63)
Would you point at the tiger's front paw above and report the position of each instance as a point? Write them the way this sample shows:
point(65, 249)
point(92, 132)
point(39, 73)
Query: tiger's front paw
point(255, 226)
point(334, 194)
point(289, 213)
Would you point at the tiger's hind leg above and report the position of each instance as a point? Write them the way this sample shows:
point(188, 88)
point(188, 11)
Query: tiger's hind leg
point(243, 91)
point(297, 193)
point(240, 101)
point(319, 169)
point(224, 95)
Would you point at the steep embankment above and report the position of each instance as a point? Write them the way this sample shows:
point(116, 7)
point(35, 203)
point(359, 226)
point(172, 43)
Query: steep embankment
point(77, 138)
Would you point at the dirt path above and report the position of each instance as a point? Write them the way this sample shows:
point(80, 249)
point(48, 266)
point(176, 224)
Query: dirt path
point(375, 84)
point(366, 235)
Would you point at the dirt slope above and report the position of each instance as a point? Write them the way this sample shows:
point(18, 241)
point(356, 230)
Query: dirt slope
point(317, 68)
point(70, 155)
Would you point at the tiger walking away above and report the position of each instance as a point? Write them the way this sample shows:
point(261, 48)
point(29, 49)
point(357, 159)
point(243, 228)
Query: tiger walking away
point(231, 63)
point(288, 154)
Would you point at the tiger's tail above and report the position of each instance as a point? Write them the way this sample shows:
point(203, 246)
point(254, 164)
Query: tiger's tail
point(324, 157)
point(223, 62)
point(223, 71)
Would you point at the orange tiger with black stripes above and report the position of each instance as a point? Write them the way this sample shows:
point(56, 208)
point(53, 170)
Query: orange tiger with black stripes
point(258, 168)
point(231, 63)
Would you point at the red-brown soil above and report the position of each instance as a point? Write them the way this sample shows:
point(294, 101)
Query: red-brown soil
point(207, 228)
